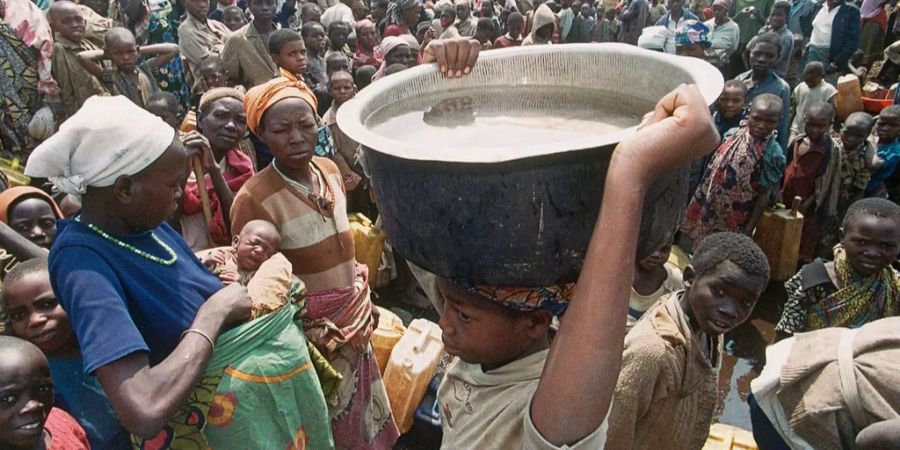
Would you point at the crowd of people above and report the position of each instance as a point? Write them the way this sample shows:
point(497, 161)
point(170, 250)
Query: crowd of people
point(180, 273)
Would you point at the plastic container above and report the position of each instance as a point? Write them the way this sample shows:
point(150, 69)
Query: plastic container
point(368, 243)
point(778, 235)
point(412, 365)
point(390, 330)
point(875, 105)
point(727, 437)
point(848, 99)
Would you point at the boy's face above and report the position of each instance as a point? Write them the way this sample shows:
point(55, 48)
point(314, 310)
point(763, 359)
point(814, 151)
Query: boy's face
point(124, 54)
point(812, 79)
point(763, 57)
point(731, 102)
point(255, 246)
point(516, 28)
point(315, 39)
point(763, 121)
point(214, 75)
point(337, 64)
point(161, 110)
point(197, 8)
point(871, 243)
point(852, 135)
point(292, 57)
point(777, 19)
point(263, 10)
point(479, 331)
point(26, 397)
point(338, 36)
point(234, 19)
point(342, 89)
point(34, 219)
point(887, 128)
point(817, 126)
point(69, 23)
point(35, 315)
point(462, 11)
point(658, 258)
point(721, 299)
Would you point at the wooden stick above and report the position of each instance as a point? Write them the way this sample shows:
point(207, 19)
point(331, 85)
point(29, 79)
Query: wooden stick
point(201, 185)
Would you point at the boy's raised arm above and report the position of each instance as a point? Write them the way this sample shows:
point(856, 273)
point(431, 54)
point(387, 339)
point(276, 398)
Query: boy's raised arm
point(580, 374)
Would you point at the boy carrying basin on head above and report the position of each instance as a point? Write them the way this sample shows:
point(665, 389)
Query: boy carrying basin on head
point(509, 387)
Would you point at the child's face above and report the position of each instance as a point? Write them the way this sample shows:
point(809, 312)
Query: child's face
point(214, 76)
point(516, 28)
point(777, 19)
point(658, 258)
point(234, 19)
point(26, 397)
point(35, 315)
point(197, 8)
point(34, 219)
point(312, 14)
point(852, 135)
point(462, 11)
point(817, 126)
point(763, 57)
point(292, 57)
point(69, 23)
point(721, 299)
point(315, 40)
point(342, 89)
point(336, 65)
point(763, 121)
point(871, 243)
point(481, 332)
point(812, 79)
point(487, 9)
point(887, 128)
point(124, 54)
point(255, 246)
point(161, 110)
point(338, 37)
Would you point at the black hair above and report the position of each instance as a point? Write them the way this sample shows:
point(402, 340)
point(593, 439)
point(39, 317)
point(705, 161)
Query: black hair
point(394, 68)
point(819, 109)
point(769, 37)
point(737, 84)
point(334, 56)
point(279, 38)
point(814, 68)
point(333, 25)
point(767, 101)
point(309, 27)
point(117, 34)
point(165, 98)
point(449, 10)
point(485, 24)
point(872, 206)
point(364, 76)
point(307, 7)
point(860, 118)
point(735, 247)
point(339, 72)
point(784, 6)
point(233, 8)
point(23, 269)
point(892, 111)
point(515, 15)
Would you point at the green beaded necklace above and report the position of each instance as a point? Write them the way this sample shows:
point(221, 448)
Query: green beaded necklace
point(166, 262)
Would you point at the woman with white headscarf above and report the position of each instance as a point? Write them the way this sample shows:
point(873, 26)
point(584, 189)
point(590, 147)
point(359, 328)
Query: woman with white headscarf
point(146, 312)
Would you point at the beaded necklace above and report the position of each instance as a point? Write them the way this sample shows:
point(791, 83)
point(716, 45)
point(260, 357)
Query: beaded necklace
point(320, 199)
point(166, 262)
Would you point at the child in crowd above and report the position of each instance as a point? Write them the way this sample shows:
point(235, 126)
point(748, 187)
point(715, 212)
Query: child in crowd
point(566, 19)
point(856, 151)
point(76, 84)
point(338, 33)
point(813, 174)
point(887, 153)
point(509, 386)
point(342, 89)
point(860, 285)
point(730, 110)
point(213, 73)
point(813, 89)
point(765, 50)
point(671, 360)
point(590, 22)
point(744, 171)
point(778, 17)
point(364, 76)
point(448, 23)
point(30, 212)
point(607, 28)
point(253, 261)
point(234, 18)
point(653, 279)
point(288, 51)
point(131, 77)
point(310, 12)
point(35, 315)
point(165, 106)
point(314, 39)
point(27, 410)
point(515, 26)
point(484, 32)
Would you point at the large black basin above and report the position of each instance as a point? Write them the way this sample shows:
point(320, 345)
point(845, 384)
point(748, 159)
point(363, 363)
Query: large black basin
point(525, 217)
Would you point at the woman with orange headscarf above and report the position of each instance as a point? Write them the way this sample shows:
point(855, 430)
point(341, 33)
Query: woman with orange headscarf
point(304, 196)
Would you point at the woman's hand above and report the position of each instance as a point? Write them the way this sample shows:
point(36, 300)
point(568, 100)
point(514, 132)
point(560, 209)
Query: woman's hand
point(678, 131)
point(352, 181)
point(231, 304)
point(196, 144)
point(454, 57)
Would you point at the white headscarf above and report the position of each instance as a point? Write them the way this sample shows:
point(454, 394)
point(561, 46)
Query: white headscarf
point(107, 138)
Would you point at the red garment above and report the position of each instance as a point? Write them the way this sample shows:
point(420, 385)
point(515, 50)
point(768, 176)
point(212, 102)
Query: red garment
point(396, 30)
point(238, 169)
point(881, 19)
point(800, 181)
point(503, 42)
point(65, 433)
point(363, 58)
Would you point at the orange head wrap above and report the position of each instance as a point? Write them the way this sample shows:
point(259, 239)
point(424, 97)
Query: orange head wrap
point(15, 194)
point(260, 98)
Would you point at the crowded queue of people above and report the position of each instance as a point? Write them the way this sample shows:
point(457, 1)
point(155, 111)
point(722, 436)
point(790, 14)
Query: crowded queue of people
point(182, 153)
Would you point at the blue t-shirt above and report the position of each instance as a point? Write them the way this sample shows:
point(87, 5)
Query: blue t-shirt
point(890, 153)
point(120, 302)
point(83, 398)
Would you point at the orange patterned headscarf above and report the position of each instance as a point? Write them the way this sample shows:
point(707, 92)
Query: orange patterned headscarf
point(551, 298)
point(260, 98)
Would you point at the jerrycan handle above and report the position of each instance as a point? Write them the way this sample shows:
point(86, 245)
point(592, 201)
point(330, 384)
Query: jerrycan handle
point(422, 340)
point(795, 206)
